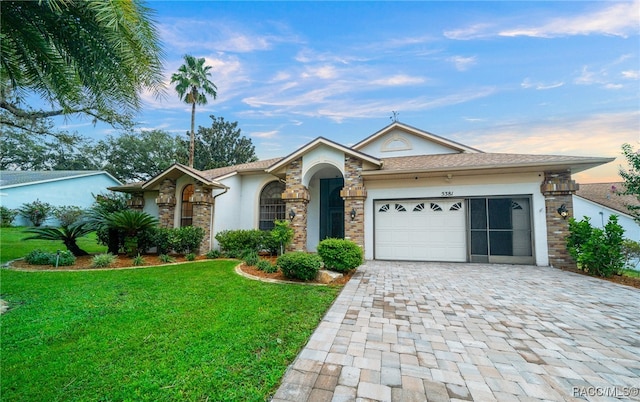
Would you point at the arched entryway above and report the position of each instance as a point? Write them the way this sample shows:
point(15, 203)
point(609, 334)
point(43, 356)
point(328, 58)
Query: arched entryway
point(326, 206)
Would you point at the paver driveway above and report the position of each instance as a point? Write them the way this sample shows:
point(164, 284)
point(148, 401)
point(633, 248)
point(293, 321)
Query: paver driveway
point(403, 331)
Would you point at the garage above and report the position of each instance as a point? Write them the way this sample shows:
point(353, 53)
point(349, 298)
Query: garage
point(420, 230)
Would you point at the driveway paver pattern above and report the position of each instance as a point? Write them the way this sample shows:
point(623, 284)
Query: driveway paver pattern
point(404, 331)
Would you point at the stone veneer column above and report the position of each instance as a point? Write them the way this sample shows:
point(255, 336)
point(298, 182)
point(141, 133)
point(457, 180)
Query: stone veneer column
point(296, 196)
point(136, 202)
point(558, 189)
point(166, 202)
point(203, 203)
point(354, 195)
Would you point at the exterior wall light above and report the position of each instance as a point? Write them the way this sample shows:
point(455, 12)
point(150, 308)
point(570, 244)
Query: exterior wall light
point(563, 211)
point(292, 214)
point(353, 213)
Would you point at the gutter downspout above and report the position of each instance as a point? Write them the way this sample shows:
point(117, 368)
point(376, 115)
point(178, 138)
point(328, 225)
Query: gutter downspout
point(212, 215)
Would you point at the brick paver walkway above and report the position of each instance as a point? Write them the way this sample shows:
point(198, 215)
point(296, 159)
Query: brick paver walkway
point(403, 331)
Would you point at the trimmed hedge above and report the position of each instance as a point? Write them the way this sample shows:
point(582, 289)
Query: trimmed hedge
point(340, 255)
point(299, 265)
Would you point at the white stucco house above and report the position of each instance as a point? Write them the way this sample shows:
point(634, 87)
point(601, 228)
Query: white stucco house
point(599, 201)
point(401, 194)
point(56, 187)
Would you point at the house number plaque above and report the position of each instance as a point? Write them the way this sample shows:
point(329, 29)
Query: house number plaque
point(447, 193)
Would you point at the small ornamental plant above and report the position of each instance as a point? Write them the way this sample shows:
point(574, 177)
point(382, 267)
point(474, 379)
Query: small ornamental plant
point(36, 212)
point(299, 265)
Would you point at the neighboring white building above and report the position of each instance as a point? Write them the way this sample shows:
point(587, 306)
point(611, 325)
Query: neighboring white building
point(56, 187)
point(401, 194)
point(599, 201)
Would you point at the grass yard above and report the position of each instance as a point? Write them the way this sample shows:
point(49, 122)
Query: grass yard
point(196, 331)
point(13, 245)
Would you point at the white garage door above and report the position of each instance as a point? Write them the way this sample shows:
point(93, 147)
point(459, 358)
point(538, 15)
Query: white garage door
point(420, 230)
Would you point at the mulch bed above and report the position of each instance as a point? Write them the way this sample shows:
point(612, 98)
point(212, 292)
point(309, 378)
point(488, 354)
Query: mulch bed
point(619, 279)
point(122, 261)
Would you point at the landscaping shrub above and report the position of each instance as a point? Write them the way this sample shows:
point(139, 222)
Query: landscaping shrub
point(166, 258)
point(251, 258)
point(68, 214)
point(65, 258)
point(213, 254)
point(7, 216)
point(37, 211)
point(190, 257)
point(282, 235)
point(236, 241)
point(187, 239)
point(38, 257)
point(103, 260)
point(138, 260)
point(339, 254)
point(162, 240)
point(266, 266)
point(299, 265)
point(597, 251)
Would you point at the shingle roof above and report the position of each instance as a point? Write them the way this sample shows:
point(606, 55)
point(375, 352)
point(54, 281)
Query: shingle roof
point(464, 161)
point(608, 194)
point(10, 178)
point(245, 167)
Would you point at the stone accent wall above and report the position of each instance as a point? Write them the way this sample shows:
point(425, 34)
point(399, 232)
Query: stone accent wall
point(136, 202)
point(166, 202)
point(558, 189)
point(203, 203)
point(354, 195)
point(296, 196)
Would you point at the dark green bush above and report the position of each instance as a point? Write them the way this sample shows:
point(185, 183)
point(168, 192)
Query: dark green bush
point(38, 257)
point(162, 240)
point(266, 266)
point(299, 265)
point(190, 257)
point(251, 258)
point(213, 254)
point(187, 239)
point(340, 255)
point(65, 258)
point(597, 251)
point(236, 241)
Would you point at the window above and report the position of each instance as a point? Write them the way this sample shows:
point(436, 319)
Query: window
point(186, 214)
point(271, 205)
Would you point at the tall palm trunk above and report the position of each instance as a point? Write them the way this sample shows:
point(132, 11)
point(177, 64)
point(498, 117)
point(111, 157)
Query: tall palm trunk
point(192, 141)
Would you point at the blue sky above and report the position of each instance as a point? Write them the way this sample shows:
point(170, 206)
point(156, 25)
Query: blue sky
point(516, 77)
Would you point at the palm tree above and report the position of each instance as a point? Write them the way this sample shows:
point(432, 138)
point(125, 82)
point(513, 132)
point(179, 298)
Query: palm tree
point(193, 84)
point(88, 57)
point(131, 223)
point(67, 234)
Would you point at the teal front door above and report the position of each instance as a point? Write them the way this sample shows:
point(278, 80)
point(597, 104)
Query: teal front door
point(331, 208)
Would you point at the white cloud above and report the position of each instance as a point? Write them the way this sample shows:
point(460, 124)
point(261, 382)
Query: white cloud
point(463, 63)
point(631, 74)
point(264, 134)
point(618, 19)
point(398, 80)
point(527, 83)
point(613, 18)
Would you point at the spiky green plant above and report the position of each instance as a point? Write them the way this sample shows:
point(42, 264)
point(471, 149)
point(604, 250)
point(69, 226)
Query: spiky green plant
point(132, 223)
point(67, 234)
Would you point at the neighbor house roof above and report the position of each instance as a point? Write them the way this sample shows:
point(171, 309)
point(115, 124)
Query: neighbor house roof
point(16, 178)
point(223, 172)
point(608, 195)
point(482, 163)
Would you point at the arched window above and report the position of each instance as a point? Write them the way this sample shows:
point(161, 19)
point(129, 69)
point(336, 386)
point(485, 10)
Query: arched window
point(271, 205)
point(186, 215)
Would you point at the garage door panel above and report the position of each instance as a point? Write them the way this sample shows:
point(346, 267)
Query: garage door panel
point(420, 230)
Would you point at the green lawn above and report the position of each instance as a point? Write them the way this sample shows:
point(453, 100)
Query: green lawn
point(13, 245)
point(196, 331)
